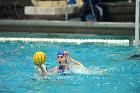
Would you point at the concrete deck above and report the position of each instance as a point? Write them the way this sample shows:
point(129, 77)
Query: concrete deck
point(100, 28)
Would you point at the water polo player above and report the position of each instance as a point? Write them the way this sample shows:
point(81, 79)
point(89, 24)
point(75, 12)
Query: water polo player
point(64, 61)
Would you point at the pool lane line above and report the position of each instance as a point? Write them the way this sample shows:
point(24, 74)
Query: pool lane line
point(63, 40)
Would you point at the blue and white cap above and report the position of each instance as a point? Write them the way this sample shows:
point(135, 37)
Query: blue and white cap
point(60, 53)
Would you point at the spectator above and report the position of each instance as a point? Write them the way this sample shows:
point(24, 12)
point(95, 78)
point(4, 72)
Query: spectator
point(90, 6)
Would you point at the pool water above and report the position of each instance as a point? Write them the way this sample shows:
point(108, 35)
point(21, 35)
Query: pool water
point(108, 69)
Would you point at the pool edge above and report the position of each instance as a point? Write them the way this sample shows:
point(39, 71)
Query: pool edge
point(68, 27)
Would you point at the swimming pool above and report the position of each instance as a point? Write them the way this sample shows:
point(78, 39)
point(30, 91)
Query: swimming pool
point(108, 70)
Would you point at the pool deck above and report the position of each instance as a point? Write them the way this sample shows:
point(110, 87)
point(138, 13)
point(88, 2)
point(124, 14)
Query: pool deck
point(75, 27)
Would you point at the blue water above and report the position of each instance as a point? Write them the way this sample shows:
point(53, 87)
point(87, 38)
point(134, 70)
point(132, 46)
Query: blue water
point(109, 71)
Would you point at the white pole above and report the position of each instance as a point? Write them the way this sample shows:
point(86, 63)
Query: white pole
point(137, 22)
point(66, 11)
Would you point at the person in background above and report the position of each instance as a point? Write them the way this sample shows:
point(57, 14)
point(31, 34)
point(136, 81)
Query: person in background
point(90, 6)
point(137, 56)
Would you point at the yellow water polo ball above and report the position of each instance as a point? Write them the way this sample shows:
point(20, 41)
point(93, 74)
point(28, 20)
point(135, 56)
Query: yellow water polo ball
point(39, 58)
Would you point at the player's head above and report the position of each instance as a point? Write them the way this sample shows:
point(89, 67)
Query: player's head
point(61, 58)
